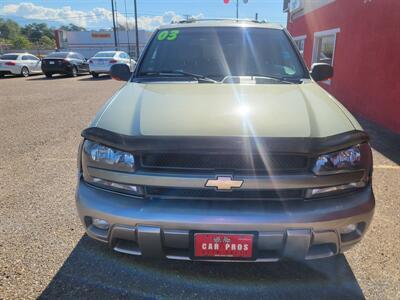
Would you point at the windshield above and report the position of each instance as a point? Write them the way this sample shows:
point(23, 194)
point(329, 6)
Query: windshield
point(9, 57)
point(105, 54)
point(223, 51)
point(57, 55)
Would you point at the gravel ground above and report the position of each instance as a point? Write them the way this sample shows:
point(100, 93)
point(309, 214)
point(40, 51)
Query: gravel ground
point(45, 253)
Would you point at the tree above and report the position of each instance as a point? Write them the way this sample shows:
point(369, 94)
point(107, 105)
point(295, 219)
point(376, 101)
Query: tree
point(72, 27)
point(35, 31)
point(21, 42)
point(46, 43)
point(35, 34)
point(9, 29)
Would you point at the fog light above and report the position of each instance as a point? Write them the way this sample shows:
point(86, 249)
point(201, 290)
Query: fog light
point(100, 223)
point(348, 229)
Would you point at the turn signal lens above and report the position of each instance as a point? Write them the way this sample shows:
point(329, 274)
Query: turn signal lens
point(326, 191)
point(115, 186)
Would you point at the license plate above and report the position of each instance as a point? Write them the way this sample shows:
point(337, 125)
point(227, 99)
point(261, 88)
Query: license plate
point(51, 62)
point(223, 245)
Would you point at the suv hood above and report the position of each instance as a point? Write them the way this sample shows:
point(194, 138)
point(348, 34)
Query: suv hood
point(193, 109)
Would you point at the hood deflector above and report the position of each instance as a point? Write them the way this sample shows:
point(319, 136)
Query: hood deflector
point(193, 144)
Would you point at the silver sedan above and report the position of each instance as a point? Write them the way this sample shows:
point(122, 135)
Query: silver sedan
point(23, 64)
point(102, 62)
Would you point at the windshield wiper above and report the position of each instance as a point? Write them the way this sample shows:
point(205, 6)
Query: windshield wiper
point(198, 77)
point(277, 78)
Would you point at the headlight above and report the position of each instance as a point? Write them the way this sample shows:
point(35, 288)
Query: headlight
point(353, 158)
point(104, 157)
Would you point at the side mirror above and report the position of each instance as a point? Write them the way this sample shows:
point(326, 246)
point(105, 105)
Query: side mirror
point(120, 72)
point(321, 71)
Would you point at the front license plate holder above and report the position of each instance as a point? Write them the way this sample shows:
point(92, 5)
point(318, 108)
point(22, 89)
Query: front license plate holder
point(221, 245)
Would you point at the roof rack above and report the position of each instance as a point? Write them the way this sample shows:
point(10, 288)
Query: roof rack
point(193, 20)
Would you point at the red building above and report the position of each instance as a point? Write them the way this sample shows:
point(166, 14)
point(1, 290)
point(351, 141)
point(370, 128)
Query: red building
point(361, 39)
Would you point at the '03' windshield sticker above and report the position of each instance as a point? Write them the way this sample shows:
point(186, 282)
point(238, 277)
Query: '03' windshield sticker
point(169, 35)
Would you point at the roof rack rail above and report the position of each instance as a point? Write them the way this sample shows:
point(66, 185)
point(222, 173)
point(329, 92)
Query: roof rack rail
point(193, 20)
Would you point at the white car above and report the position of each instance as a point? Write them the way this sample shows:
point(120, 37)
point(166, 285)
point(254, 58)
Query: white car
point(23, 64)
point(102, 62)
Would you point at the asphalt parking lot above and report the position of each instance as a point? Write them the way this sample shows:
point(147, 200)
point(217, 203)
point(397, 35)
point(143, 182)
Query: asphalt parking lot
point(45, 253)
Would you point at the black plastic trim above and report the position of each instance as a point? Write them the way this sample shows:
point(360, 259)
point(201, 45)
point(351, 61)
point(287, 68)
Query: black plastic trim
point(192, 144)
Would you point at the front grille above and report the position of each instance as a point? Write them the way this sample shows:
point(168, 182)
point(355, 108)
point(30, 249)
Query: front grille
point(212, 194)
point(238, 162)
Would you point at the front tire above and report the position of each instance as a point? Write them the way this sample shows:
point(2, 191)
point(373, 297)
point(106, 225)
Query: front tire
point(24, 72)
point(95, 75)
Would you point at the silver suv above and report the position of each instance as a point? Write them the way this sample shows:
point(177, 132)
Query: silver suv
point(222, 146)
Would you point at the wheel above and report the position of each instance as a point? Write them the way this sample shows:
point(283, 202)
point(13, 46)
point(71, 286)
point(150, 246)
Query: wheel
point(74, 72)
point(24, 72)
point(95, 75)
point(1, 75)
point(48, 75)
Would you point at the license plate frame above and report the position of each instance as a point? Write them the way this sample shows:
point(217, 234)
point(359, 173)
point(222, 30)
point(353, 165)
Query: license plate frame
point(192, 241)
point(51, 62)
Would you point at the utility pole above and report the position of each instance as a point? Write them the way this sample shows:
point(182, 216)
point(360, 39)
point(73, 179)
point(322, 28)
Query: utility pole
point(237, 10)
point(114, 29)
point(137, 33)
point(256, 16)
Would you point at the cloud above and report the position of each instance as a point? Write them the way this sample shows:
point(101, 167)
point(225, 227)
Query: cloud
point(96, 16)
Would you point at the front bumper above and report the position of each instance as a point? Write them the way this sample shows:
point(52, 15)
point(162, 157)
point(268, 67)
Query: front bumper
point(162, 228)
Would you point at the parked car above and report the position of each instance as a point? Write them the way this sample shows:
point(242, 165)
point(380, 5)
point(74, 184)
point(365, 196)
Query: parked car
point(23, 64)
point(222, 146)
point(69, 63)
point(102, 61)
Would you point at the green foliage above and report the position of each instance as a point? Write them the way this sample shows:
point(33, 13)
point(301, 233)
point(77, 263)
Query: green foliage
point(35, 35)
point(35, 31)
point(21, 42)
point(72, 27)
point(9, 29)
point(46, 43)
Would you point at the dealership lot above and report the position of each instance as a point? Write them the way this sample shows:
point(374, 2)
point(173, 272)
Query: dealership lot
point(44, 252)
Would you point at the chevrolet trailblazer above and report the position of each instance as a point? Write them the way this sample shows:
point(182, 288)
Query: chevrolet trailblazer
point(222, 146)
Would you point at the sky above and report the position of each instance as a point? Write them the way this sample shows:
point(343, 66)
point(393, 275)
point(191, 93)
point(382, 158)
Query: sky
point(96, 14)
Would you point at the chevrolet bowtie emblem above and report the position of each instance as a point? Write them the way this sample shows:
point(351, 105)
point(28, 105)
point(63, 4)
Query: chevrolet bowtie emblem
point(224, 183)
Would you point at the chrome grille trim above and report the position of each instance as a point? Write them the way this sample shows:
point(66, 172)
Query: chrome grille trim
point(273, 182)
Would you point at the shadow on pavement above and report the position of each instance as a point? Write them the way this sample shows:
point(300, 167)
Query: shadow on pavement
point(382, 139)
point(101, 77)
point(8, 76)
point(94, 271)
point(55, 76)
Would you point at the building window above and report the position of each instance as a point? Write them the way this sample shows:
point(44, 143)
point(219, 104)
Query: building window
point(324, 47)
point(300, 41)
